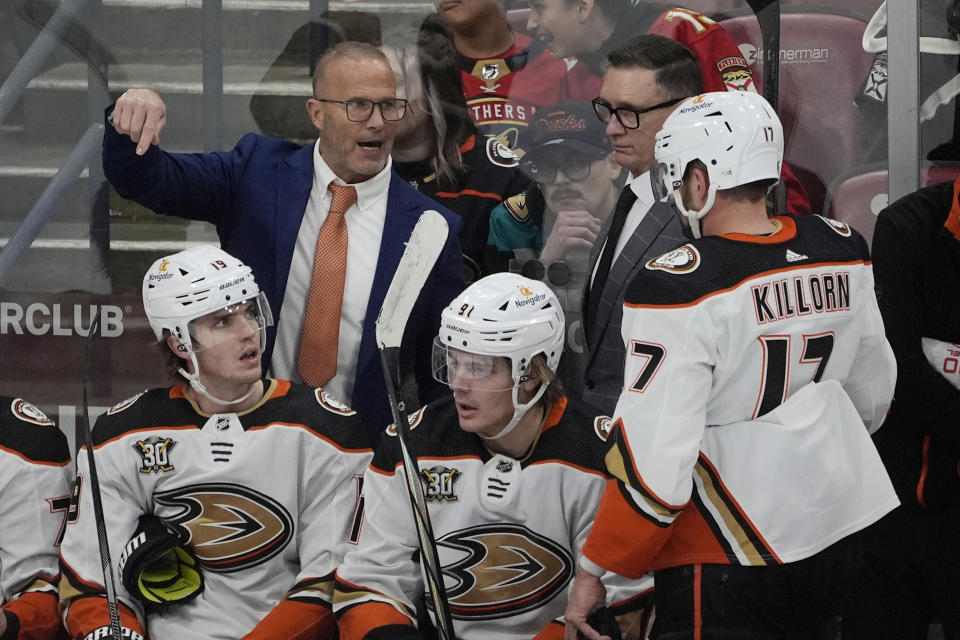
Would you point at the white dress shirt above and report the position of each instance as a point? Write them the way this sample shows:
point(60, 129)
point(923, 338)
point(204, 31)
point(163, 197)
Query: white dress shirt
point(644, 191)
point(365, 221)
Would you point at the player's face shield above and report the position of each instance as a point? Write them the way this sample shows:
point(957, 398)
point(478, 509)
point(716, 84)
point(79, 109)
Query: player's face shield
point(463, 370)
point(246, 320)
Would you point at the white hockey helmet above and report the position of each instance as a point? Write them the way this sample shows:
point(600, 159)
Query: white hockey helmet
point(503, 315)
point(182, 287)
point(736, 134)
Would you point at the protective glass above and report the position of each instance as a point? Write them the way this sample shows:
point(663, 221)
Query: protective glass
point(361, 110)
point(628, 118)
point(462, 370)
point(576, 166)
point(236, 322)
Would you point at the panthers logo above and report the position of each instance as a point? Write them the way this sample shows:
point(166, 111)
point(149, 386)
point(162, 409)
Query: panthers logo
point(229, 527)
point(500, 570)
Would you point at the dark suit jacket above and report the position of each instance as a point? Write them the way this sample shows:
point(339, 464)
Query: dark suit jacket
point(256, 195)
point(657, 233)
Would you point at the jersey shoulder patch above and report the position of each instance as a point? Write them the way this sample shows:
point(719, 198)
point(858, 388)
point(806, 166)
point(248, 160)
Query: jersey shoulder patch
point(124, 404)
point(29, 413)
point(840, 228)
point(500, 154)
point(517, 206)
point(683, 259)
point(331, 404)
point(413, 419)
point(602, 426)
point(20, 435)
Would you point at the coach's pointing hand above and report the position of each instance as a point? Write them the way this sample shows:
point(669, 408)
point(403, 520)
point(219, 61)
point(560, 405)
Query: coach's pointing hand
point(141, 114)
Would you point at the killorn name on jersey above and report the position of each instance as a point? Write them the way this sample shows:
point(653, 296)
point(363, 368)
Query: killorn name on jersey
point(801, 295)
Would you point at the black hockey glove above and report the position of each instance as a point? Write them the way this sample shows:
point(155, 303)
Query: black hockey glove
point(156, 568)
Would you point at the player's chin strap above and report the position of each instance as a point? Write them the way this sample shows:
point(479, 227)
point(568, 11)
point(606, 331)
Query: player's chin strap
point(194, 379)
point(519, 410)
point(693, 216)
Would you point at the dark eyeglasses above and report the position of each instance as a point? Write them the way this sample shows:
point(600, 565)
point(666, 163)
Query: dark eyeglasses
point(574, 166)
point(361, 110)
point(628, 118)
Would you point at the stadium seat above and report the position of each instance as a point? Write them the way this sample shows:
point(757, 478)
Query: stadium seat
point(860, 194)
point(822, 69)
point(865, 8)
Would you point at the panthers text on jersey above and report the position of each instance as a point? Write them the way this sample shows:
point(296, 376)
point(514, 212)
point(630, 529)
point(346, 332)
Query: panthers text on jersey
point(752, 365)
point(34, 474)
point(508, 531)
point(268, 499)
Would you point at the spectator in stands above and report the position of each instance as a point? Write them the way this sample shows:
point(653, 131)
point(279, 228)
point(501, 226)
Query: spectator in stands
point(505, 75)
point(437, 148)
point(269, 199)
point(590, 29)
point(550, 234)
point(911, 571)
point(34, 474)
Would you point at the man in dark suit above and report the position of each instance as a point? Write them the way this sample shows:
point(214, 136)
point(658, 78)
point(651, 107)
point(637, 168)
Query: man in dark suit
point(647, 76)
point(269, 199)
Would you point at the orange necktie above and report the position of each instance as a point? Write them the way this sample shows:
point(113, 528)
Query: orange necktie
point(317, 359)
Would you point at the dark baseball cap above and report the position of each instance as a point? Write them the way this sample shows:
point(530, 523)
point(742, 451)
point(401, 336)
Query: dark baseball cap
point(569, 125)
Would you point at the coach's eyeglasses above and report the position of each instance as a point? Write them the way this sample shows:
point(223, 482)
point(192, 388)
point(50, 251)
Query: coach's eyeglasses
point(628, 118)
point(360, 110)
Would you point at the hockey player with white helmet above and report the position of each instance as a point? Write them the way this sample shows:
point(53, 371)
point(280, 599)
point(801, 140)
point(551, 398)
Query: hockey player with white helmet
point(756, 369)
point(228, 498)
point(513, 472)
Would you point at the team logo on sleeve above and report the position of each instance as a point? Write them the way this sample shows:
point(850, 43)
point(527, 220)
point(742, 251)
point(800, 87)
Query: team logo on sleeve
point(438, 483)
point(837, 226)
point(30, 413)
point(154, 454)
point(683, 259)
point(736, 74)
point(229, 527)
point(500, 570)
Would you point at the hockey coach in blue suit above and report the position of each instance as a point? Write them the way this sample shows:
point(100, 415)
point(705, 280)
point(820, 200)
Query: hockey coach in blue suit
point(269, 198)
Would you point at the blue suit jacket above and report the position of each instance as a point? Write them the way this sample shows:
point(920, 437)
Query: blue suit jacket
point(256, 195)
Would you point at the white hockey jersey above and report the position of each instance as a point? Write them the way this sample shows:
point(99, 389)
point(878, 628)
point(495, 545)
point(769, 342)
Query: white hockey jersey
point(34, 500)
point(508, 531)
point(753, 365)
point(268, 499)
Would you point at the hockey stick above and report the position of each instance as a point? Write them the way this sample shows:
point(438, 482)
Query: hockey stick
point(424, 247)
point(109, 582)
point(768, 15)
